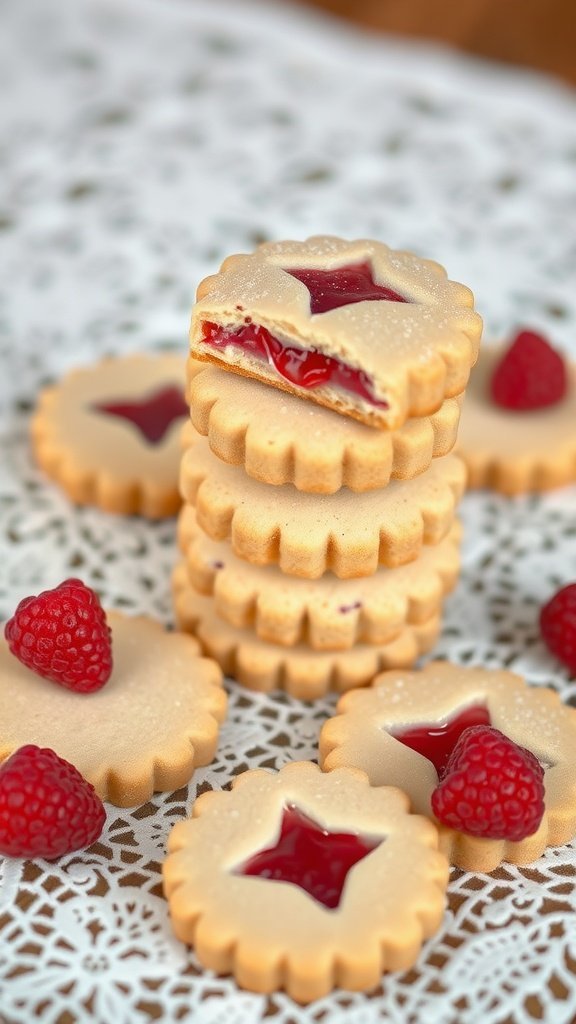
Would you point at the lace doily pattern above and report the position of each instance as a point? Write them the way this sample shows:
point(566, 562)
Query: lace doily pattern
point(143, 142)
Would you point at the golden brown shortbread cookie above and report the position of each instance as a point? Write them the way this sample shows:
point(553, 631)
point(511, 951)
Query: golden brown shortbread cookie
point(272, 933)
point(516, 452)
point(533, 717)
point(300, 671)
point(108, 434)
point(308, 534)
point(398, 354)
point(328, 613)
point(153, 722)
point(281, 439)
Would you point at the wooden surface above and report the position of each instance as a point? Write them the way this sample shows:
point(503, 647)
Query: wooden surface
point(536, 33)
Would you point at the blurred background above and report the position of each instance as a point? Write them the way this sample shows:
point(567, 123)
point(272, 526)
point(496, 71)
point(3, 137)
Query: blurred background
point(535, 33)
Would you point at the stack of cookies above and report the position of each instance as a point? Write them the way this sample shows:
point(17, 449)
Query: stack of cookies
point(318, 528)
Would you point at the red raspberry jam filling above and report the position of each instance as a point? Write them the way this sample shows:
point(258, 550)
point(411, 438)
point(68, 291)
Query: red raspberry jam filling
point(342, 286)
point(306, 368)
point(309, 856)
point(436, 740)
point(152, 416)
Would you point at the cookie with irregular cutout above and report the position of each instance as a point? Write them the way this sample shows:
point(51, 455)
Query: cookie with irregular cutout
point(300, 671)
point(308, 534)
point(304, 881)
point(281, 439)
point(154, 721)
point(328, 613)
point(511, 451)
point(369, 332)
point(402, 728)
point(108, 434)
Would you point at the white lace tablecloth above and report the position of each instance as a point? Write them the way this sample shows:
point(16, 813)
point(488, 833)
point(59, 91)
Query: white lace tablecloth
point(142, 141)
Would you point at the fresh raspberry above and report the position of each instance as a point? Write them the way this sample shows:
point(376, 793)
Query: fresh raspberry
point(491, 787)
point(558, 625)
point(530, 375)
point(62, 635)
point(46, 807)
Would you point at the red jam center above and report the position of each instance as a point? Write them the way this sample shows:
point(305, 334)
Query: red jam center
point(436, 740)
point(309, 856)
point(304, 367)
point(342, 286)
point(152, 416)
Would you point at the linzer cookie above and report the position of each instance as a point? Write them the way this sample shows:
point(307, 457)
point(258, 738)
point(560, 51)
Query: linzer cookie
point(299, 670)
point(449, 730)
point(306, 535)
point(108, 434)
point(304, 881)
point(517, 433)
point(281, 439)
point(155, 719)
point(369, 332)
point(326, 614)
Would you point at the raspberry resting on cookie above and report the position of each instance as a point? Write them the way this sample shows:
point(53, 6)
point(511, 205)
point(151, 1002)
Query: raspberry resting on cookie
point(530, 374)
point(517, 426)
point(369, 332)
point(404, 729)
point(62, 635)
point(490, 787)
point(156, 719)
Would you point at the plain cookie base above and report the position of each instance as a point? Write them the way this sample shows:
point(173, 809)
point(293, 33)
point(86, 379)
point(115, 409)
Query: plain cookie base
point(533, 717)
point(309, 534)
point(326, 614)
point(303, 673)
point(145, 730)
point(100, 460)
point(272, 935)
point(516, 452)
point(281, 439)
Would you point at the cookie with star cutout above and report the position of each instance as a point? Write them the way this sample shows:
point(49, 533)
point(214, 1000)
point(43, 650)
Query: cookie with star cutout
point(448, 730)
point(364, 330)
point(109, 434)
point(304, 881)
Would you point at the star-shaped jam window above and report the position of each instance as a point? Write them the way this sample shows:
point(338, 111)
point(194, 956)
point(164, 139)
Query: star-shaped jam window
point(342, 286)
point(436, 740)
point(309, 856)
point(153, 415)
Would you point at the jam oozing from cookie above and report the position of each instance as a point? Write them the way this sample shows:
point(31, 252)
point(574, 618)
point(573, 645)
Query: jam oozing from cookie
point(305, 368)
point(311, 857)
point(152, 416)
point(342, 286)
point(436, 740)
